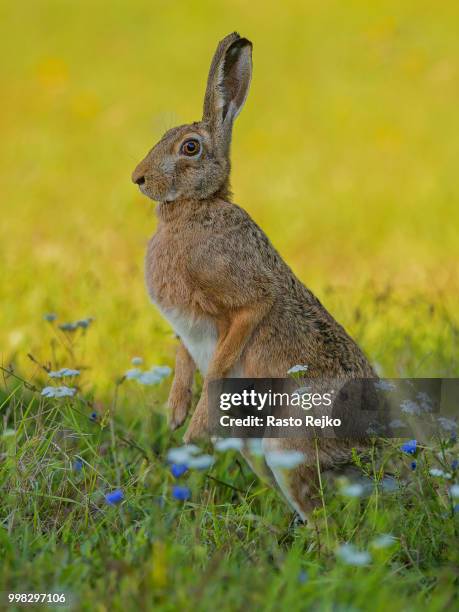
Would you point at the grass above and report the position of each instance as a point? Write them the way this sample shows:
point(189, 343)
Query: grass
point(233, 544)
point(345, 154)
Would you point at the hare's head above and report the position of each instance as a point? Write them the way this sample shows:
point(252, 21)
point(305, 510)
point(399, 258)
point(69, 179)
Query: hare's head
point(192, 161)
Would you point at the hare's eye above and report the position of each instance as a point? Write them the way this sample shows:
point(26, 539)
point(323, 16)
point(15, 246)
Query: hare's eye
point(190, 147)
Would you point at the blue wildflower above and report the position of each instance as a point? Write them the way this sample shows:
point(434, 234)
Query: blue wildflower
point(160, 500)
point(74, 325)
point(413, 465)
point(68, 326)
point(178, 469)
point(456, 508)
point(303, 576)
point(115, 497)
point(93, 417)
point(409, 447)
point(50, 317)
point(77, 465)
point(84, 323)
point(454, 464)
point(181, 493)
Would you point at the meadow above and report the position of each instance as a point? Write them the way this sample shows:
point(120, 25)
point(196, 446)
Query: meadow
point(346, 155)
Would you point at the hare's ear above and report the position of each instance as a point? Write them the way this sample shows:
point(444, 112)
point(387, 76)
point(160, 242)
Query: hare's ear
point(228, 84)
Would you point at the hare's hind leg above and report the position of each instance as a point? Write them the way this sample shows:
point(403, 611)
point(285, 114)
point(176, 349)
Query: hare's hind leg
point(300, 485)
point(258, 465)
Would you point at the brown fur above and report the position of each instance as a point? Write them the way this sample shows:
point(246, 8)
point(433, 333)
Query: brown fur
point(210, 263)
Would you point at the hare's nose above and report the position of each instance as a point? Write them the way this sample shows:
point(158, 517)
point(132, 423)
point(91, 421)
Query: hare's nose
point(138, 180)
point(138, 177)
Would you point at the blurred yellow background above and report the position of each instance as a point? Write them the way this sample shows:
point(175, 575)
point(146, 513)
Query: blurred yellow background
point(346, 153)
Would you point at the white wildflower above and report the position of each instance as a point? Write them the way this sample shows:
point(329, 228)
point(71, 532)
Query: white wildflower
point(133, 373)
point(352, 490)
point(153, 376)
point(350, 555)
point(397, 424)
point(284, 459)
point(182, 454)
point(454, 491)
point(162, 371)
point(149, 378)
point(384, 385)
point(447, 424)
point(226, 444)
point(439, 473)
point(202, 462)
point(58, 391)
point(410, 407)
point(383, 541)
point(8, 433)
point(191, 449)
point(425, 401)
point(378, 368)
point(256, 447)
point(389, 484)
point(297, 368)
point(63, 372)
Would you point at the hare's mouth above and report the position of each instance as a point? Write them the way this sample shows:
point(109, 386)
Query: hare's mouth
point(149, 192)
point(156, 196)
point(143, 189)
point(171, 196)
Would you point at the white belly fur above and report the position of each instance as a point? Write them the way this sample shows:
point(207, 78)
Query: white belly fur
point(199, 336)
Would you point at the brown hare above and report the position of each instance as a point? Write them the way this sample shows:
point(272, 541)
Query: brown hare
point(236, 306)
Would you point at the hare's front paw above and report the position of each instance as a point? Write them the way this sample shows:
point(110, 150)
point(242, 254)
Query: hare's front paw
point(197, 428)
point(179, 403)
